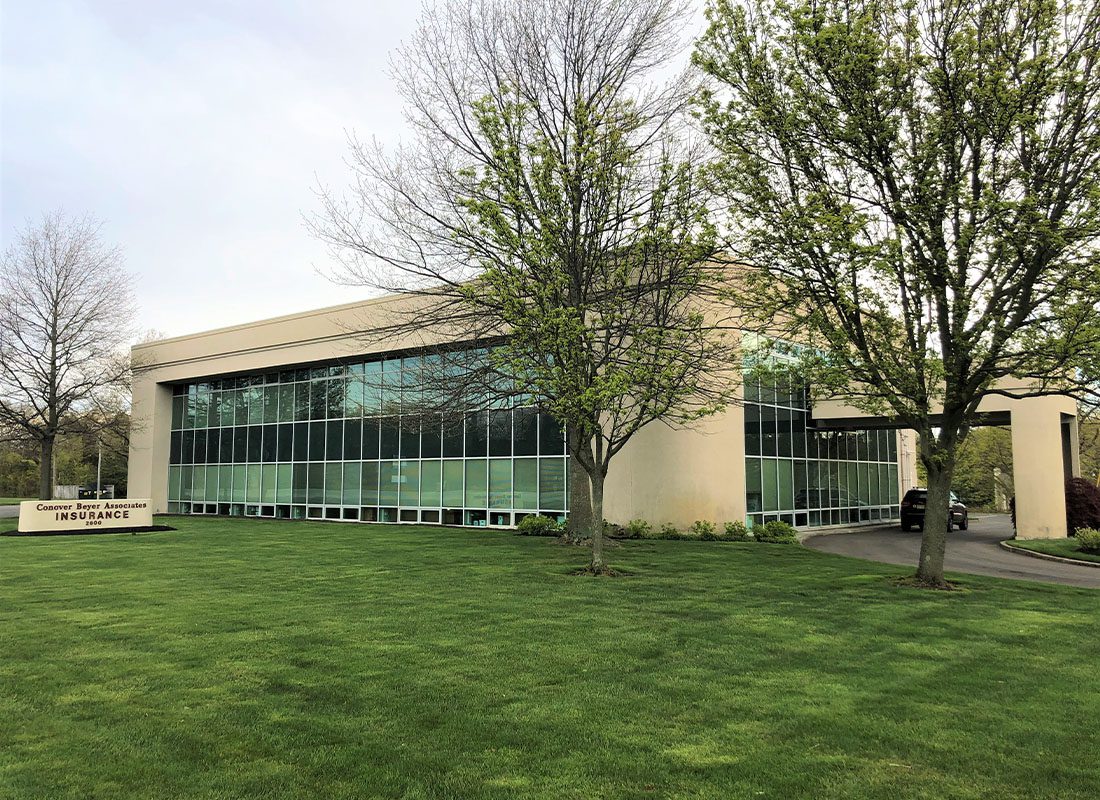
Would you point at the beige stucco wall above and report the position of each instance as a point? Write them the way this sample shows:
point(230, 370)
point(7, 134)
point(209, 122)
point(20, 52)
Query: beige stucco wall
point(681, 475)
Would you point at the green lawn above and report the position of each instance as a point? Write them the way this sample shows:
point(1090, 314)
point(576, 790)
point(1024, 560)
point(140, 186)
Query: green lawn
point(1066, 548)
point(237, 658)
point(11, 501)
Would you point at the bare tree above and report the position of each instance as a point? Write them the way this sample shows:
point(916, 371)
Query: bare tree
point(66, 312)
point(549, 212)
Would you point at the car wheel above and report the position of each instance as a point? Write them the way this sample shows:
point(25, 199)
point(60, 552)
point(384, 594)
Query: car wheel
point(965, 524)
point(950, 524)
point(906, 527)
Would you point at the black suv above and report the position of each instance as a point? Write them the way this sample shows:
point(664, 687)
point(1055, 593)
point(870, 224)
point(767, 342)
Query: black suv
point(912, 511)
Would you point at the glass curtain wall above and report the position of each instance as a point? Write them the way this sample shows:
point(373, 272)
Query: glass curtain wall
point(812, 478)
point(333, 443)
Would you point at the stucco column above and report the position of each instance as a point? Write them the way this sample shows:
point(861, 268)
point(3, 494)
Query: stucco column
point(150, 439)
point(1038, 469)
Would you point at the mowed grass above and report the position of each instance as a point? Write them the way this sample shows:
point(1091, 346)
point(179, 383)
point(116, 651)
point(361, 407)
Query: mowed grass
point(12, 501)
point(236, 658)
point(1066, 548)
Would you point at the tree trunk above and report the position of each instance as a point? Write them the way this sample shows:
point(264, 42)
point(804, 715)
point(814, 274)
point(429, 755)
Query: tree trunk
point(45, 468)
point(936, 514)
point(598, 565)
point(580, 498)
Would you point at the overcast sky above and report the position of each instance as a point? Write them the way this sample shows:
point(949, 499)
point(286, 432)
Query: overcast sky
point(197, 132)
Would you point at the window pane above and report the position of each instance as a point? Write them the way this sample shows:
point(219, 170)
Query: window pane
point(452, 484)
point(410, 483)
point(372, 387)
point(334, 483)
point(179, 407)
point(318, 399)
point(353, 399)
point(271, 404)
point(239, 480)
point(410, 438)
point(430, 483)
point(286, 402)
point(301, 441)
point(255, 407)
point(500, 483)
point(752, 430)
point(370, 439)
point(335, 389)
point(300, 481)
point(301, 402)
point(452, 437)
point(477, 433)
point(526, 488)
point(476, 494)
point(783, 432)
point(335, 436)
point(315, 484)
point(786, 485)
point(769, 484)
point(174, 482)
point(255, 436)
point(270, 450)
point(526, 433)
point(285, 436)
point(267, 483)
point(552, 484)
point(285, 484)
point(352, 485)
point(551, 440)
point(387, 483)
point(768, 440)
point(353, 439)
point(211, 484)
point(198, 484)
point(389, 442)
point(431, 439)
point(500, 435)
point(369, 483)
point(252, 492)
point(185, 482)
point(225, 484)
point(754, 499)
point(316, 442)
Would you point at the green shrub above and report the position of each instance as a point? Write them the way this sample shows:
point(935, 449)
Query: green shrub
point(1088, 540)
point(776, 532)
point(612, 529)
point(669, 531)
point(737, 531)
point(637, 529)
point(707, 531)
point(538, 525)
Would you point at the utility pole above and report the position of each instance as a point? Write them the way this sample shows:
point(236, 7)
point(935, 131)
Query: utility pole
point(99, 471)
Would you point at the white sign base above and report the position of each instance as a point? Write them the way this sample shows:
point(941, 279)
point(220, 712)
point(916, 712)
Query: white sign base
point(45, 516)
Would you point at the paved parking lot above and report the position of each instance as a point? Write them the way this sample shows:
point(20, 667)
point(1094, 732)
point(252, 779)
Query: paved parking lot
point(975, 551)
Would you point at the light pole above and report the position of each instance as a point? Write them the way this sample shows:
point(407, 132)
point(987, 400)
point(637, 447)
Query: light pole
point(99, 471)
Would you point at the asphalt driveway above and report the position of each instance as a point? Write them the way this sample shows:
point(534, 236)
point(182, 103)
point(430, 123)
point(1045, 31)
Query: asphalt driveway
point(975, 551)
point(9, 511)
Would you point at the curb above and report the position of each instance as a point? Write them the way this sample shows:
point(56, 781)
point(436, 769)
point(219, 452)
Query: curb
point(1047, 556)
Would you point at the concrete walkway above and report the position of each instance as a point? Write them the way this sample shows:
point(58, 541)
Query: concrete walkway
point(975, 551)
point(9, 511)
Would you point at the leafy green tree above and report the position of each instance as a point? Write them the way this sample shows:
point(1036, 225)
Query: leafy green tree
point(550, 212)
point(914, 188)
